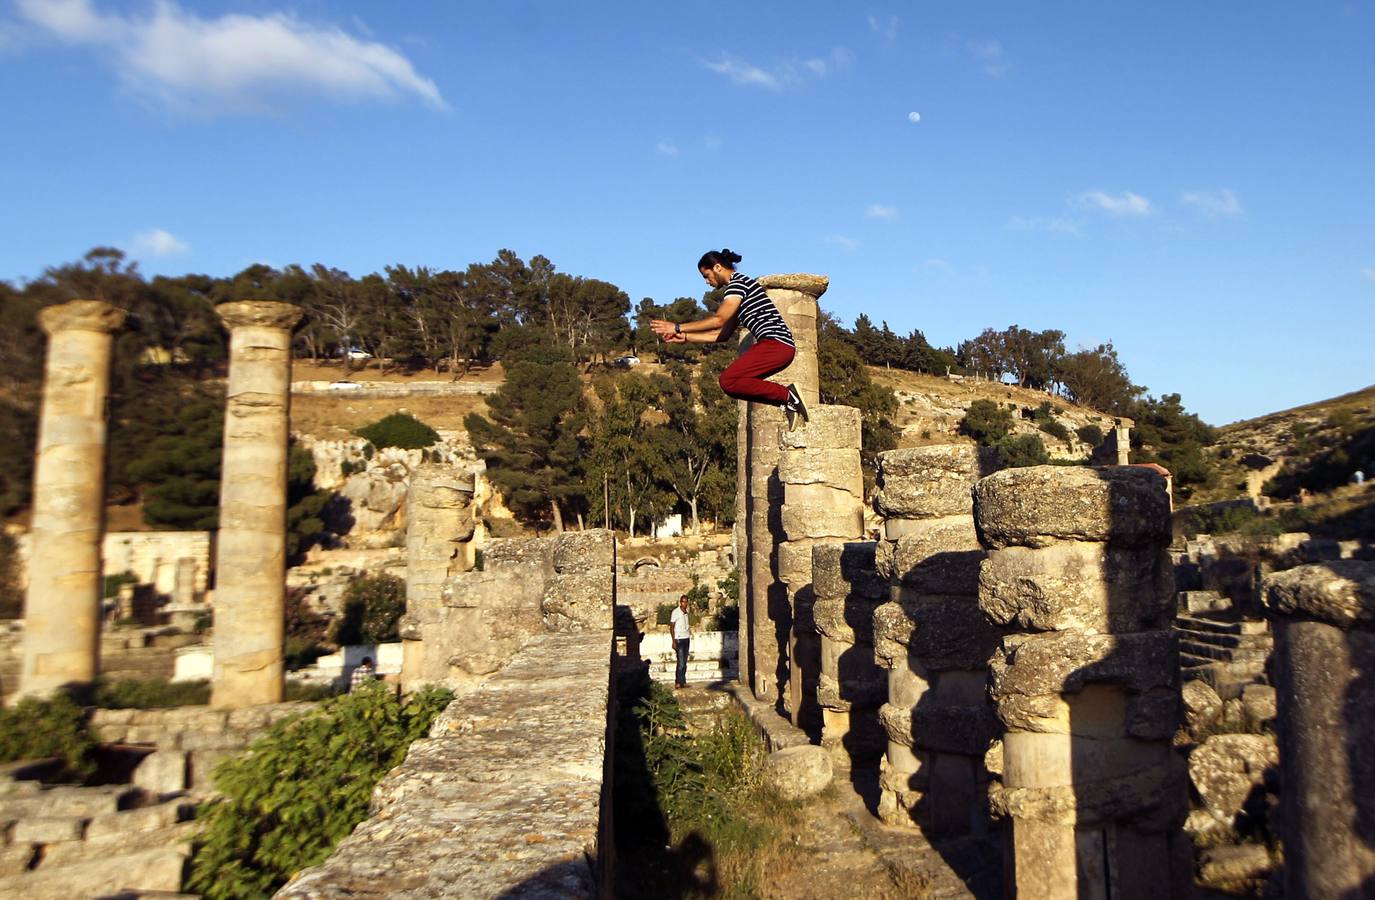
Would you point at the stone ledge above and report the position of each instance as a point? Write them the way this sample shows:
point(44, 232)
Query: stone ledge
point(503, 798)
point(776, 731)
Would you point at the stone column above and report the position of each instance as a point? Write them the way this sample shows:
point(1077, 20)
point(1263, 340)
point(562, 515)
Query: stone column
point(851, 686)
point(250, 563)
point(741, 534)
point(439, 523)
point(934, 641)
point(768, 615)
point(823, 499)
point(1122, 436)
point(1088, 692)
point(62, 604)
point(1324, 663)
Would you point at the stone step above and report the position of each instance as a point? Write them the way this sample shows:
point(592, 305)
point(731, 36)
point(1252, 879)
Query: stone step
point(1231, 641)
point(66, 801)
point(1221, 626)
point(172, 837)
point(1226, 654)
point(149, 870)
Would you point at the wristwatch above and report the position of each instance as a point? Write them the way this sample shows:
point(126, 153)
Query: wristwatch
point(677, 328)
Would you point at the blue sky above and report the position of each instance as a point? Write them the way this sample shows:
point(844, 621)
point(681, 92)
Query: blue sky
point(1194, 181)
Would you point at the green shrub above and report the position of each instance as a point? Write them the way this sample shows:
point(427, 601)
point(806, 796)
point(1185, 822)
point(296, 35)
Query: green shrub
point(302, 788)
point(373, 604)
point(114, 582)
point(698, 595)
point(11, 595)
point(1023, 450)
point(730, 585)
point(398, 430)
point(986, 423)
point(156, 693)
point(35, 729)
point(1090, 434)
point(1056, 429)
point(1221, 519)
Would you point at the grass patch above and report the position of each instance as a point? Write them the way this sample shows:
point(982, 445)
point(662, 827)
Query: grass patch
point(693, 818)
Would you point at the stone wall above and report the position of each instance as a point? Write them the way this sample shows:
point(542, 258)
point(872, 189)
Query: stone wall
point(509, 795)
point(527, 587)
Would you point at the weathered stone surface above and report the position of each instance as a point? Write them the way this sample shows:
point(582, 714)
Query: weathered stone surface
point(1202, 707)
point(1260, 704)
point(833, 468)
point(579, 601)
point(1341, 592)
point(68, 802)
point(1031, 674)
point(837, 522)
point(829, 427)
point(15, 858)
point(846, 621)
point(504, 797)
point(162, 772)
point(842, 570)
point(966, 729)
point(1039, 505)
point(797, 773)
point(46, 830)
point(148, 871)
point(131, 821)
point(1223, 867)
point(593, 550)
point(937, 633)
point(811, 285)
point(856, 691)
point(1153, 799)
point(1088, 586)
point(1226, 768)
point(926, 482)
point(928, 571)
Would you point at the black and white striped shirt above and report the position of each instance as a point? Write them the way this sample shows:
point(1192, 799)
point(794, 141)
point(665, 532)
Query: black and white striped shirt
point(757, 312)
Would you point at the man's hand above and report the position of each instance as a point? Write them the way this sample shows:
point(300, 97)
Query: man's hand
point(675, 338)
point(662, 328)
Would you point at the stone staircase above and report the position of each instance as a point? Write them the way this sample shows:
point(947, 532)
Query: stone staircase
point(1220, 647)
point(64, 841)
point(663, 667)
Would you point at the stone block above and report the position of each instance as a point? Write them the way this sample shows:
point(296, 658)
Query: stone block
point(1202, 707)
point(845, 621)
point(578, 601)
point(935, 633)
point(1341, 592)
point(47, 830)
point(162, 772)
point(851, 693)
point(797, 773)
point(576, 552)
point(147, 818)
point(149, 871)
point(841, 520)
point(1087, 586)
point(529, 555)
point(967, 730)
point(202, 767)
point(1040, 505)
point(795, 563)
point(850, 664)
point(926, 482)
point(1259, 704)
point(1223, 868)
point(828, 428)
point(843, 570)
point(213, 740)
point(802, 282)
point(15, 858)
point(834, 468)
point(934, 562)
point(1032, 673)
point(69, 802)
point(1226, 768)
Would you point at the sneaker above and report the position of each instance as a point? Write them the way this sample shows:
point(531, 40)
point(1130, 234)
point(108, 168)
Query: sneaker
point(794, 407)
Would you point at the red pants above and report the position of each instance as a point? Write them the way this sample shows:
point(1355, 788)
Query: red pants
point(744, 378)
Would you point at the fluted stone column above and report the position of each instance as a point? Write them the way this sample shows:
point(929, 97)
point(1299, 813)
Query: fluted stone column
point(935, 642)
point(62, 604)
point(1324, 664)
point(823, 500)
point(250, 563)
point(1088, 694)
point(768, 615)
point(439, 523)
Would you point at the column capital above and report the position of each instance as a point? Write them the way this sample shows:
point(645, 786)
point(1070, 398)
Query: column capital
point(262, 313)
point(81, 315)
point(811, 285)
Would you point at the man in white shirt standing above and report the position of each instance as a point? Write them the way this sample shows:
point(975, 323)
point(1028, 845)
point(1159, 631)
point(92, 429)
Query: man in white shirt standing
point(681, 628)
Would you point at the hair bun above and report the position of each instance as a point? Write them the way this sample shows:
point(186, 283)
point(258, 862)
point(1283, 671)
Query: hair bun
point(728, 254)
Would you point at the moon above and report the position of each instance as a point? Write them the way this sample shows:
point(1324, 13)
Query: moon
point(914, 117)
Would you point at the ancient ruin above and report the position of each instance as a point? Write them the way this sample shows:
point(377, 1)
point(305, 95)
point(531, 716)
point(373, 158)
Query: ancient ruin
point(62, 606)
point(250, 562)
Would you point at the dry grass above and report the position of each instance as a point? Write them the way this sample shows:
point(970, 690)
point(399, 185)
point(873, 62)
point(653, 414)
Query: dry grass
point(334, 416)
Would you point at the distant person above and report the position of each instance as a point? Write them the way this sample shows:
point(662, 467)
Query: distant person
point(1359, 477)
point(364, 673)
point(680, 626)
point(746, 304)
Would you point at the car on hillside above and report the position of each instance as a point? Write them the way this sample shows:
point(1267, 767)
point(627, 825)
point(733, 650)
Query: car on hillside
point(626, 361)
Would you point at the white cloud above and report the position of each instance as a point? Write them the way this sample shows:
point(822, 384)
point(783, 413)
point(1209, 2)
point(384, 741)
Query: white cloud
point(712, 142)
point(1369, 273)
point(667, 148)
point(885, 27)
point(159, 242)
point(235, 61)
point(841, 240)
point(990, 57)
point(784, 75)
point(879, 211)
point(1123, 204)
point(1219, 203)
point(1053, 224)
point(935, 264)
